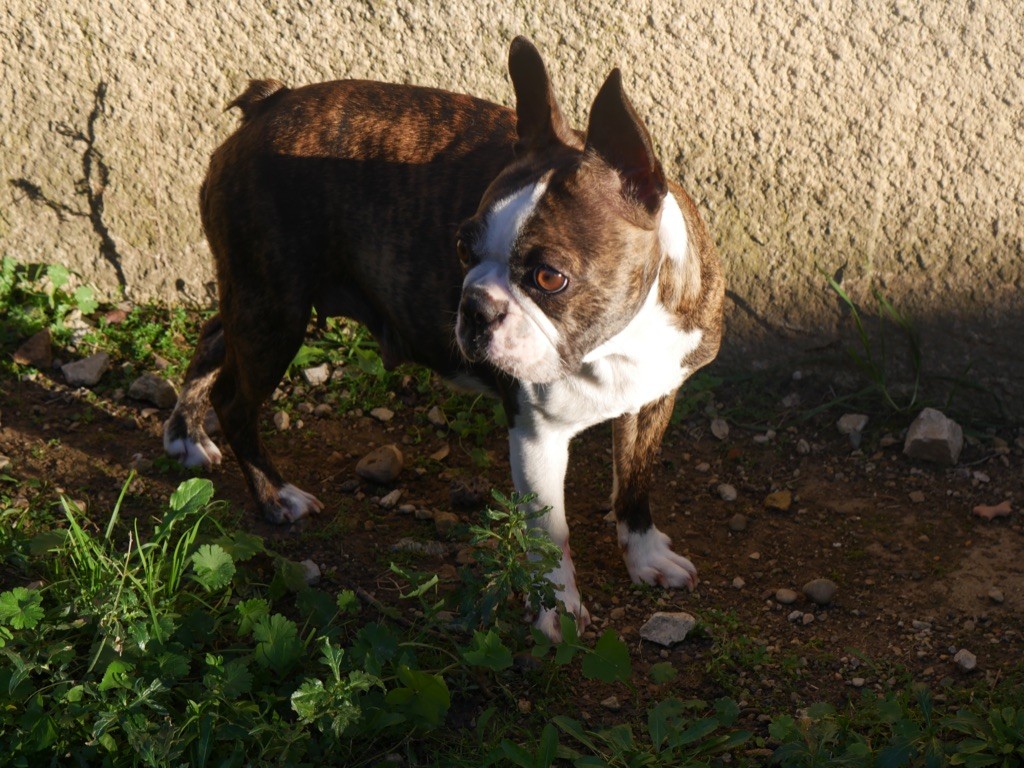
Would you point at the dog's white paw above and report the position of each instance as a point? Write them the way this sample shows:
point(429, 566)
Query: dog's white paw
point(650, 559)
point(190, 453)
point(293, 504)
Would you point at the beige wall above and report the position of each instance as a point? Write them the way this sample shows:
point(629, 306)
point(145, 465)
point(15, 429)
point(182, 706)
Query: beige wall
point(883, 138)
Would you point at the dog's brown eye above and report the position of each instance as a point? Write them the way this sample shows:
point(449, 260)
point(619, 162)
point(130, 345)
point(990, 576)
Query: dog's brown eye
point(549, 280)
point(463, 253)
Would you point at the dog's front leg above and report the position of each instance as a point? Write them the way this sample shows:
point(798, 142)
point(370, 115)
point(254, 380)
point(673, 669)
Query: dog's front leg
point(539, 454)
point(646, 550)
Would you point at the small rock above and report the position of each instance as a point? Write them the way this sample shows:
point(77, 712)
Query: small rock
point(436, 417)
point(282, 421)
point(703, 467)
point(317, 375)
point(766, 438)
point(803, 447)
point(612, 704)
point(999, 510)
point(738, 522)
point(917, 497)
point(996, 595)
point(441, 453)
point(390, 500)
point(727, 492)
point(323, 410)
point(381, 466)
point(422, 513)
point(934, 437)
point(786, 596)
point(795, 616)
point(720, 428)
point(851, 422)
point(349, 486)
point(780, 500)
point(4, 462)
point(405, 509)
point(310, 572)
point(667, 628)
point(87, 372)
point(858, 682)
point(966, 660)
point(808, 619)
point(754, 555)
point(154, 389)
point(445, 522)
point(617, 614)
point(820, 591)
point(36, 351)
point(416, 547)
point(738, 583)
point(382, 414)
point(471, 492)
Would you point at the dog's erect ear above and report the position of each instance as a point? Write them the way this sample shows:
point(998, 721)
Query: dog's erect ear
point(539, 120)
point(616, 133)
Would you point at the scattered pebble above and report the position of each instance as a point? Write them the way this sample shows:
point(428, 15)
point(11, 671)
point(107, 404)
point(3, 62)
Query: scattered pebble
point(780, 500)
point(612, 704)
point(795, 616)
point(727, 492)
point(37, 351)
point(323, 410)
point(617, 614)
point(390, 500)
point(803, 447)
point(382, 414)
point(720, 428)
point(317, 375)
point(382, 465)
point(703, 467)
point(996, 595)
point(738, 583)
point(406, 509)
point(820, 591)
point(858, 682)
point(934, 437)
point(754, 555)
point(310, 572)
point(441, 453)
point(917, 496)
point(282, 421)
point(154, 389)
point(436, 417)
point(87, 372)
point(850, 423)
point(966, 660)
point(417, 547)
point(667, 628)
point(738, 522)
point(999, 510)
point(786, 596)
point(766, 438)
point(808, 619)
point(445, 522)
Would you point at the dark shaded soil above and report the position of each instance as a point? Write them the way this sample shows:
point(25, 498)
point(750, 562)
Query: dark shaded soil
point(914, 567)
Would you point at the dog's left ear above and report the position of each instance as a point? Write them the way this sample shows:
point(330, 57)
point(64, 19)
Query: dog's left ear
point(616, 133)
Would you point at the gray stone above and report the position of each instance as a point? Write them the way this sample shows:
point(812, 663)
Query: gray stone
point(996, 595)
point(282, 421)
point(786, 596)
point(966, 660)
point(382, 414)
point(934, 437)
point(445, 523)
point(381, 465)
point(390, 500)
point(87, 372)
point(417, 547)
point(36, 351)
point(310, 572)
point(803, 447)
point(738, 522)
point(612, 704)
point(738, 583)
point(727, 492)
point(317, 375)
point(436, 417)
point(820, 591)
point(154, 389)
point(720, 428)
point(851, 422)
point(667, 628)
point(323, 410)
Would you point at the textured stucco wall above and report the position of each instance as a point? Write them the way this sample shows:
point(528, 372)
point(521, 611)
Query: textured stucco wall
point(880, 140)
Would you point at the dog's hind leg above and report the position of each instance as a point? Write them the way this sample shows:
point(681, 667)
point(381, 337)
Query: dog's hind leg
point(260, 343)
point(185, 438)
point(646, 550)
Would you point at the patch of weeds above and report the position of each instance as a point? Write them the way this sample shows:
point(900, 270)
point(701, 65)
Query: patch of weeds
point(149, 331)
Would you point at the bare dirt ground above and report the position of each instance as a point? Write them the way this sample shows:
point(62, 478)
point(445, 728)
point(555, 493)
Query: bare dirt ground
point(919, 576)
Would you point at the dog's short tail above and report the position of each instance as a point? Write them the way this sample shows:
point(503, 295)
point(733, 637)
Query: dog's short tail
point(255, 97)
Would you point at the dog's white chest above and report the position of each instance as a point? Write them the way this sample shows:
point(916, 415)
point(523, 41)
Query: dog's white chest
point(642, 363)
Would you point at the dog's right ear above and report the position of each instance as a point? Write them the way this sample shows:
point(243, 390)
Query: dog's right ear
point(539, 120)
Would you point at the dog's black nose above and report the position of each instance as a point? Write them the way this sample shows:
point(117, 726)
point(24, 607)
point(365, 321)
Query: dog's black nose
point(481, 311)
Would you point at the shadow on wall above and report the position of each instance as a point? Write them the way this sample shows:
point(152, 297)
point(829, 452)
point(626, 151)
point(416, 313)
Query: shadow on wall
point(91, 186)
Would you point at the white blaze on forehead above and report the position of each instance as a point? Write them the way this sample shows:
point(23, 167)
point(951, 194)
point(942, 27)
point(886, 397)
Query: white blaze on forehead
point(506, 219)
point(674, 240)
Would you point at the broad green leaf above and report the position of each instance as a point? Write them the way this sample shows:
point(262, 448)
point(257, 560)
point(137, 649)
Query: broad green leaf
point(117, 675)
point(84, 300)
point(547, 747)
point(21, 608)
point(213, 567)
point(424, 696)
point(236, 679)
point(309, 698)
point(488, 651)
point(663, 719)
point(250, 612)
point(663, 672)
point(348, 603)
point(191, 496)
point(242, 546)
point(277, 643)
point(609, 661)
point(58, 275)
